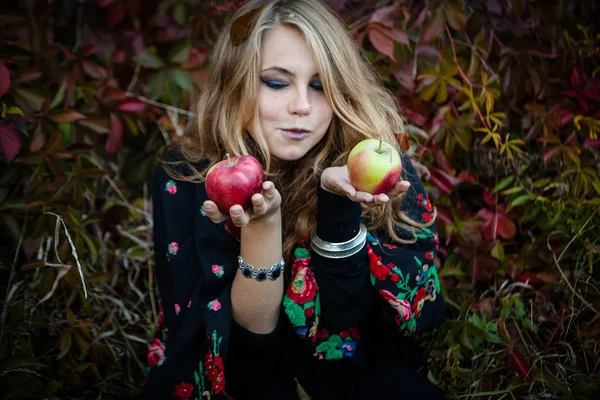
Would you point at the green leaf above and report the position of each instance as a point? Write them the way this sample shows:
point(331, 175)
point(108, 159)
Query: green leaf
point(65, 116)
point(519, 201)
point(513, 190)
point(180, 52)
point(451, 271)
point(428, 92)
point(59, 96)
point(183, 78)
point(179, 13)
point(14, 110)
point(540, 183)
point(149, 60)
point(156, 86)
point(91, 246)
point(97, 124)
point(65, 342)
point(498, 251)
point(504, 183)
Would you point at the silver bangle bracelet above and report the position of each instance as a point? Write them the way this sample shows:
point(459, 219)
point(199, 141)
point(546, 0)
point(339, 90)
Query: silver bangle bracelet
point(339, 250)
point(261, 274)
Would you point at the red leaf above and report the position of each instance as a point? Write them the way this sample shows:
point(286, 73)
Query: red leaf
point(505, 227)
point(116, 135)
point(381, 42)
point(518, 362)
point(4, 79)
point(37, 140)
point(386, 16)
point(89, 50)
point(592, 143)
point(27, 75)
point(231, 6)
point(481, 269)
point(115, 13)
point(551, 154)
point(118, 56)
point(564, 116)
point(404, 74)
point(576, 78)
point(337, 5)
point(113, 94)
point(447, 181)
point(489, 198)
point(530, 277)
point(131, 106)
point(196, 58)
point(10, 142)
point(434, 26)
point(94, 70)
point(525, 48)
point(65, 116)
point(592, 93)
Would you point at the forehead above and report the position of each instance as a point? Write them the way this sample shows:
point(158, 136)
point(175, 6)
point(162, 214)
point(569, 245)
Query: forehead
point(286, 47)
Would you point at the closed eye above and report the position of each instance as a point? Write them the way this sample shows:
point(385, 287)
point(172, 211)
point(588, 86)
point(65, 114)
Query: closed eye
point(278, 85)
point(273, 84)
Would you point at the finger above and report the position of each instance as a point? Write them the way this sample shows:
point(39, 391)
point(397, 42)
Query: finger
point(364, 197)
point(380, 199)
point(348, 189)
point(212, 212)
point(268, 191)
point(238, 216)
point(398, 189)
point(259, 205)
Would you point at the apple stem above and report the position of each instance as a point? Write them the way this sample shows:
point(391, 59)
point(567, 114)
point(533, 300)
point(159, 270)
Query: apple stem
point(380, 144)
point(228, 159)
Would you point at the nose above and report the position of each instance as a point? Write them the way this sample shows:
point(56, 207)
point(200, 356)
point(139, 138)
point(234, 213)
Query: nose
point(300, 104)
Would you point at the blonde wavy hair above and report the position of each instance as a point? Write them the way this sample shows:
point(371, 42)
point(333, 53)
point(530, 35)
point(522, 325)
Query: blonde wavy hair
point(362, 109)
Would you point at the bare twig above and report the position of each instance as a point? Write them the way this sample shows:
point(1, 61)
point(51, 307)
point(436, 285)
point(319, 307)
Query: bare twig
point(73, 250)
point(463, 75)
point(10, 278)
point(161, 105)
point(557, 262)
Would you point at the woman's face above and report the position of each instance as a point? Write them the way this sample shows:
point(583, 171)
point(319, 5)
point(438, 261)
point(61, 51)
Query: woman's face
point(293, 111)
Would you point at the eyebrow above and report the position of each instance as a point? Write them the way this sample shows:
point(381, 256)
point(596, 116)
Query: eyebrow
point(283, 71)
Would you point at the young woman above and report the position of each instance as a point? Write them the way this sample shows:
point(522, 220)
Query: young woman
point(289, 86)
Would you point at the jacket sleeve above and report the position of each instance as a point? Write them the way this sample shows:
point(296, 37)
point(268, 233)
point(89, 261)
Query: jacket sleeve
point(328, 298)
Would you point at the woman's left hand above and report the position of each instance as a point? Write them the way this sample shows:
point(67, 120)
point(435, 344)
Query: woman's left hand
point(336, 180)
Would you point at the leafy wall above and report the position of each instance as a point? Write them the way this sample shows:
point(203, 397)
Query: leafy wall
point(503, 99)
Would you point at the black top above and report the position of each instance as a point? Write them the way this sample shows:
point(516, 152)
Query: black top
point(346, 326)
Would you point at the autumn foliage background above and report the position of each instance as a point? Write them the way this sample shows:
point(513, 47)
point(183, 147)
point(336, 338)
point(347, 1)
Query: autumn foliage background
point(503, 99)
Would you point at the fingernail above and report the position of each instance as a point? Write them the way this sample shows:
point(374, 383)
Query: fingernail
point(236, 212)
point(208, 208)
point(406, 184)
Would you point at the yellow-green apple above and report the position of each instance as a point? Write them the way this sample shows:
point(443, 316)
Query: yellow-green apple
point(374, 166)
point(234, 181)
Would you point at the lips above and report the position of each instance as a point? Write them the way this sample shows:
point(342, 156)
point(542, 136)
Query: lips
point(296, 130)
point(296, 134)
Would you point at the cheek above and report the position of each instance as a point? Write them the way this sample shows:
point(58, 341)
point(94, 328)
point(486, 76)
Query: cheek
point(269, 107)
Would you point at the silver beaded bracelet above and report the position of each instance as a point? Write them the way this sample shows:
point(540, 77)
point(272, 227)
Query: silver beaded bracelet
point(261, 274)
point(339, 250)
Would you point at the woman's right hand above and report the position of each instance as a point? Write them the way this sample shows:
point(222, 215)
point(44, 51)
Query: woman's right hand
point(265, 206)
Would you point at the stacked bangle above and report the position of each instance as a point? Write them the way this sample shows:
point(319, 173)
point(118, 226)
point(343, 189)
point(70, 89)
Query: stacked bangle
point(261, 274)
point(339, 250)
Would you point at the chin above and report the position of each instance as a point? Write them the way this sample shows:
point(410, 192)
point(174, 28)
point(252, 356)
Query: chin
point(289, 155)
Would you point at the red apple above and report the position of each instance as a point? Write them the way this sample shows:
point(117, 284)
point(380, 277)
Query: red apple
point(374, 166)
point(234, 181)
